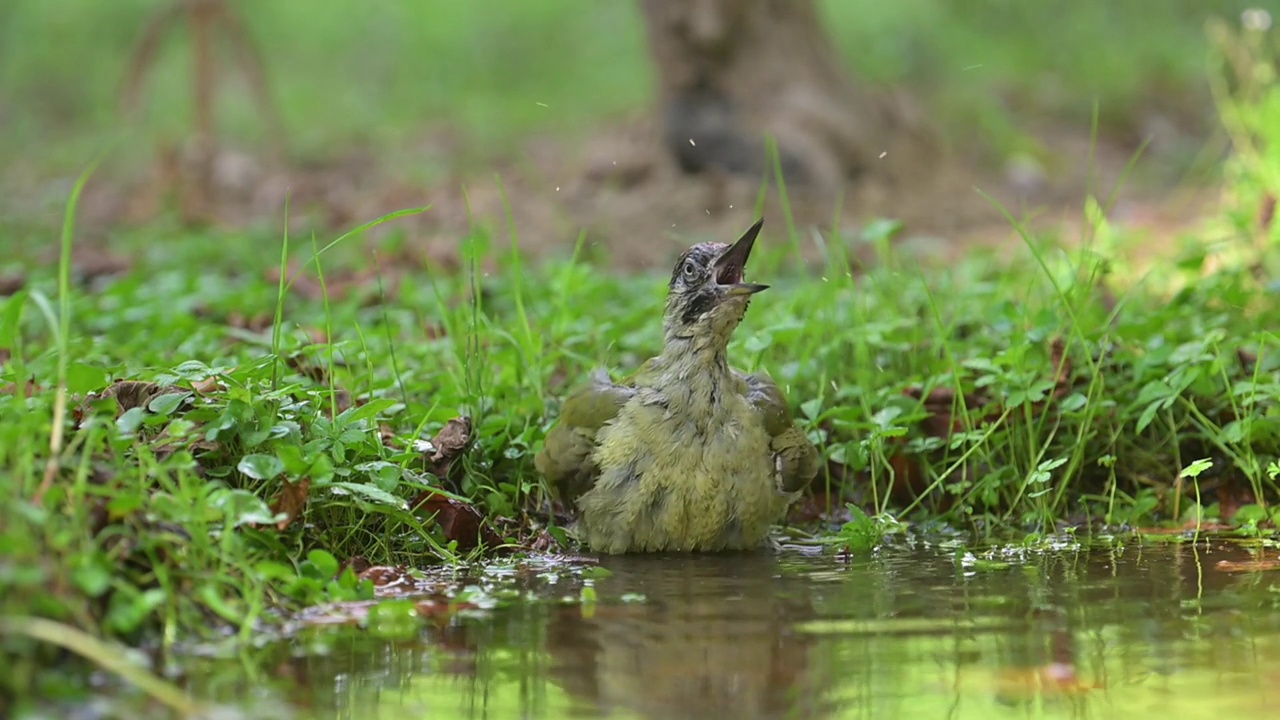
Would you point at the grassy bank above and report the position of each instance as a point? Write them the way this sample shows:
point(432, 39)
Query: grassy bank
point(267, 430)
point(201, 496)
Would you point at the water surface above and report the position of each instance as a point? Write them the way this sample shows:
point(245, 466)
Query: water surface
point(1158, 631)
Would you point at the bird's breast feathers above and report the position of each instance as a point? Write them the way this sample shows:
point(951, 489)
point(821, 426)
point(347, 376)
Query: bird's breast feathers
point(678, 477)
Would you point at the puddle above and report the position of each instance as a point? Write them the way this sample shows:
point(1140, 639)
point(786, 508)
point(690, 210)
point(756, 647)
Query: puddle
point(1141, 632)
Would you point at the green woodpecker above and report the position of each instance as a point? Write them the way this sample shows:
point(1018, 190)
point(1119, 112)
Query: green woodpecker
point(688, 453)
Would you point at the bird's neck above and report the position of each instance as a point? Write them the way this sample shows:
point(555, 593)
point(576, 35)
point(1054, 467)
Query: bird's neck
point(701, 355)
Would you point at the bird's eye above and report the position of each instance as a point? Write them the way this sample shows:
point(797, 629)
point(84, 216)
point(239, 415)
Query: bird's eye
point(690, 270)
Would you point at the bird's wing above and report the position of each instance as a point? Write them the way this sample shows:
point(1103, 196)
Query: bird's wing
point(796, 457)
point(566, 458)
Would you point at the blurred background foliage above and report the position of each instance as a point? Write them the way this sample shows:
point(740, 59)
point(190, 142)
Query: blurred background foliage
point(375, 75)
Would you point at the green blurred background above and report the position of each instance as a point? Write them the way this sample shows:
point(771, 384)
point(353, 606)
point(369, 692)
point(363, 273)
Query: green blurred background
point(376, 74)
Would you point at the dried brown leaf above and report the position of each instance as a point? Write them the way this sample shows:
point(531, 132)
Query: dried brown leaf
point(357, 563)
point(441, 608)
point(1050, 679)
point(1255, 565)
point(130, 394)
point(308, 369)
point(90, 262)
point(1062, 368)
point(388, 436)
point(813, 507)
point(291, 499)
point(207, 385)
point(386, 577)
point(543, 541)
point(1247, 359)
point(257, 322)
point(165, 445)
point(343, 401)
point(457, 520)
point(10, 284)
point(26, 390)
point(1267, 212)
point(448, 444)
point(1233, 495)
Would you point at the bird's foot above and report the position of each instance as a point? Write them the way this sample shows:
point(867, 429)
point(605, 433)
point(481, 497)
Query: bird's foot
point(778, 481)
point(775, 543)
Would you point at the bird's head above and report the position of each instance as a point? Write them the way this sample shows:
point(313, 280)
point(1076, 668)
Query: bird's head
point(707, 296)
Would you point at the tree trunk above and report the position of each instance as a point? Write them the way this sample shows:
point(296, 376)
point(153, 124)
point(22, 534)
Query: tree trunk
point(732, 72)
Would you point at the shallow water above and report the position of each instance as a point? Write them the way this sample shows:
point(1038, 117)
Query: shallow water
point(1158, 631)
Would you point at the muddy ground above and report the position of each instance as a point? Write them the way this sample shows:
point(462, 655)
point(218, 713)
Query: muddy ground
point(630, 199)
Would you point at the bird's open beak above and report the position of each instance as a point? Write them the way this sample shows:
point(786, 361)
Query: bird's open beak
point(730, 266)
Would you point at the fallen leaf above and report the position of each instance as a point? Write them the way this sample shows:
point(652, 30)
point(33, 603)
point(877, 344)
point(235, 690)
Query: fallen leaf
point(813, 507)
point(1247, 359)
point(356, 611)
point(543, 541)
point(1266, 212)
point(343, 401)
point(257, 322)
point(1062, 368)
point(290, 501)
point(165, 445)
point(308, 286)
point(27, 390)
point(388, 436)
point(457, 520)
point(357, 563)
point(90, 262)
point(1050, 679)
point(301, 365)
point(369, 284)
point(1255, 565)
point(10, 284)
point(910, 480)
point(441, 609)
point(387, 577)
point(448, 444)
point(207, 385)
point(1233, 495)
point(940, 403)
point(130, 394)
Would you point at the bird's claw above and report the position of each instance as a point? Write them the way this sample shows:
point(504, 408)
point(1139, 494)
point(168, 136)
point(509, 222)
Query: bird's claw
point(778, 483)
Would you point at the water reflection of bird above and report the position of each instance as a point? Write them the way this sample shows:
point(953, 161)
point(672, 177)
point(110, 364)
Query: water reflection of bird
point(712, 640)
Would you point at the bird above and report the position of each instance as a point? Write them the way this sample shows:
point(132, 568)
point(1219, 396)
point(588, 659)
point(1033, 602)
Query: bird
point(687, 454)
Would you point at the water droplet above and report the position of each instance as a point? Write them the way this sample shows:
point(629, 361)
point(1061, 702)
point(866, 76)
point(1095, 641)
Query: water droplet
point(1256, 19)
